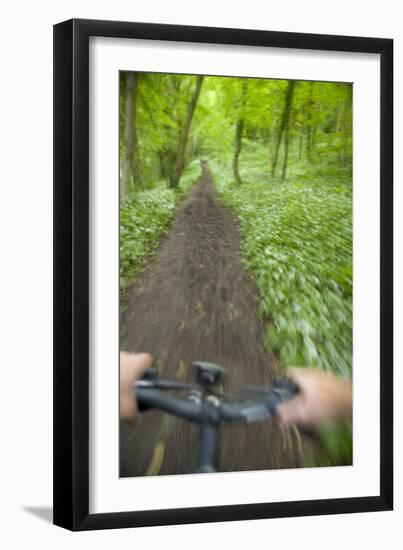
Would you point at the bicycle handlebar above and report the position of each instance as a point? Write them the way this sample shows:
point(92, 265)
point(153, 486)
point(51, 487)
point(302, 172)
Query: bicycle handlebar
point(153, 398)
point(207, 408)
point(242, 410)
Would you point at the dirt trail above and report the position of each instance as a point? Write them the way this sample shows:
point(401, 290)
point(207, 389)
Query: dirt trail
point(195, 301)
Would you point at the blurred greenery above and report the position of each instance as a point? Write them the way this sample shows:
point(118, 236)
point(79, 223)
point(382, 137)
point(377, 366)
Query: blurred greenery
point(281, 155)
point(297, 243)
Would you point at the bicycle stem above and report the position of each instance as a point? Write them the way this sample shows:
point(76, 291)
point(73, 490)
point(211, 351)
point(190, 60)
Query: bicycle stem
point(209, 436)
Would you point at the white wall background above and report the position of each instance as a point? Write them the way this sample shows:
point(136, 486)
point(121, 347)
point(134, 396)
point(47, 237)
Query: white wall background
point(26, 280)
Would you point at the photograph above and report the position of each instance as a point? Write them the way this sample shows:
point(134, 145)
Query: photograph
point(236, 273)
point(223, 274)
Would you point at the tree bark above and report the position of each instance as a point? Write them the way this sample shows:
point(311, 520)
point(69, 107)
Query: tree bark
point(237, 151)
point(180, 158)
point(310, 142)
point(130, 168)
point(287, 113)
point(346, 129)
point(270, 139)
point(300, 144)
point(127, 136)
point(239, 128)
point(309, 127)
point(285, 119)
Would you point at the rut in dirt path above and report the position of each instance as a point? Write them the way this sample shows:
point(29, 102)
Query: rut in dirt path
point(195, 301)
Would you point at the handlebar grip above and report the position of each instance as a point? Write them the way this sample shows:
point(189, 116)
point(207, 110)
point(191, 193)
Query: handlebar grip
point(142, 405)
point(149, 375)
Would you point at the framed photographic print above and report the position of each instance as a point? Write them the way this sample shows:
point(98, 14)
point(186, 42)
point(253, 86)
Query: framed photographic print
point(223, 320)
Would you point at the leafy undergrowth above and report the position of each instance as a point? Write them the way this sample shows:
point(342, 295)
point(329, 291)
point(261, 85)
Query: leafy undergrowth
point(144, 216)
point(297, 243)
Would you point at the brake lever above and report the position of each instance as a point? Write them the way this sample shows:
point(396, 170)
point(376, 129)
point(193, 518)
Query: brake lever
point(146, 381)
point(287, 389)
point(150, 374)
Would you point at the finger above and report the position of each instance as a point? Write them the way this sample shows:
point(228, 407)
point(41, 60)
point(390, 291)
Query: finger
point(292, 412)
point(134, 366)
point(127, 406)
point(143, 362)
point(301, 376)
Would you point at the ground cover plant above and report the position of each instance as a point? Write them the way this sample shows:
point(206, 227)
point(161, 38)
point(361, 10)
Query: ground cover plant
point(145, 216)
point(249, 179)
point(298, 247)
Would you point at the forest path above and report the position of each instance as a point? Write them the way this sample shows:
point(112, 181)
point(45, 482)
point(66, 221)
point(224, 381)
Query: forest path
point(195, 301)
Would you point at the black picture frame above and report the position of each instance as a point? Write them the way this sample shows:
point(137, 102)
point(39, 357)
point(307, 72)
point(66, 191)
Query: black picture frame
point(71, 274)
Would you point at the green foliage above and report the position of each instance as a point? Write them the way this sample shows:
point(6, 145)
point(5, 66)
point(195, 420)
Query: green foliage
point(297, 243)
point(144, 216)
point(320, 121)
point(334, 446)
point(297, 233)
point(161, 105)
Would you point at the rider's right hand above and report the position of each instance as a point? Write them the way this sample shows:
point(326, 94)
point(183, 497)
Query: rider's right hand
point(322, 398)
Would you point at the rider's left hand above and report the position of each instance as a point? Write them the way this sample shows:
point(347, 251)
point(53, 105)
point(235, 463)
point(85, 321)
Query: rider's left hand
point(132, 367)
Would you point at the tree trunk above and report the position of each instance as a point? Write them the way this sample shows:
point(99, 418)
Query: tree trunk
point(287, 111)
point(180, 158)
point(285, 119)
point(308, 144)
point(270, 139)
point(309, 127)
point(135, 156)
point(346, 131)
point(313, 139)
point(130, 168)
point(286, 144)
point(127, 136)
point(239, 127)
point(300, 144)
point(238, 144)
